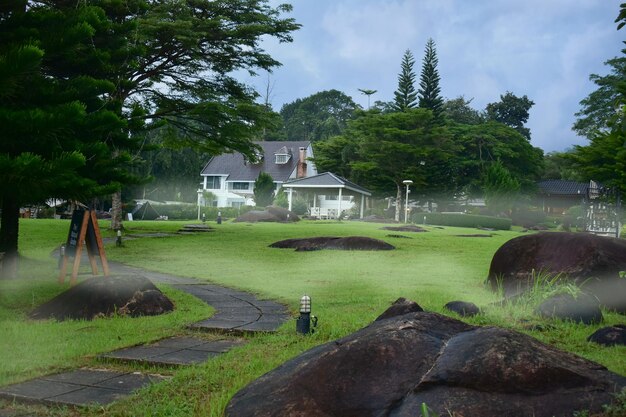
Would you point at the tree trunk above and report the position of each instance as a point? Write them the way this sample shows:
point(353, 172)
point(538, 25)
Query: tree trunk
point(398, 202)
point(9, 227)
point(116, 210)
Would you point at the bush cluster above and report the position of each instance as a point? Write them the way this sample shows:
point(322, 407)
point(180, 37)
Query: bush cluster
point(190, 212)
point(463, 220)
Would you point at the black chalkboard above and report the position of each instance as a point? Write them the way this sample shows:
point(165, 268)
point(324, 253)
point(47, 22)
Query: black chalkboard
point(75, 227)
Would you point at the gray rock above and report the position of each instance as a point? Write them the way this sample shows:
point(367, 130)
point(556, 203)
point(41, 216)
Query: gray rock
point(463, 308)
point(592, 262)
point(582, 309)
point(609, 336)
point(394, 365)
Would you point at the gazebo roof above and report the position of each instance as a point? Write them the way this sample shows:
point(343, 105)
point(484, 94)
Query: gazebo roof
point(324, 181)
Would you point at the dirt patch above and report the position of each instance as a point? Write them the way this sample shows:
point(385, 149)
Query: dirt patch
point(408, 228)
point(476, 235)
point(330, 242)
point(132, 295)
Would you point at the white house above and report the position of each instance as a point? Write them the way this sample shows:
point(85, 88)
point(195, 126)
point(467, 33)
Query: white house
point(230, 177)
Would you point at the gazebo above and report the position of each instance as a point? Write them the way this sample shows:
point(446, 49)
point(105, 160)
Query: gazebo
point(332, 194)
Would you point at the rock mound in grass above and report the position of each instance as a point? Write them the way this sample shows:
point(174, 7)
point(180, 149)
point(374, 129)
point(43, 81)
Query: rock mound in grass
point(330, 242)
point(131, 295)
point(409, 228)
point(400, 307)
point(593, 262)
point(610, 336)
point(395, 365)
point(581, 309)
point(463, 308)
point(271, 214)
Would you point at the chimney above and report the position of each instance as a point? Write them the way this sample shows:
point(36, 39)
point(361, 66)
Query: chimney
point(301, 171)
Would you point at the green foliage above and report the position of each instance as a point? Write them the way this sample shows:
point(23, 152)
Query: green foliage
point(561, 166)
point(405, 96)
point(458, 110)
point(299, 206)
point(527, 218)
point(511, 111)
point(318, 117)
point(599, 107)
point(485, 143)
point(429, 93)
point(58, 128)
point(264, 190)
point(336, 154)
point(281, 199)
point(501, 189)
point(463, 220)
point(604, 159)
point(393, 147)
point(604, 123)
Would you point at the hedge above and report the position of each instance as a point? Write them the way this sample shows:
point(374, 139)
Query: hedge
point(463, 220)
point(190, 212)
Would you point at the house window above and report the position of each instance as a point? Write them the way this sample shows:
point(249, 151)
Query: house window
point(213, 183)
point(346, 198)
point(241, 185)
point(330, 197)
point(281, 158)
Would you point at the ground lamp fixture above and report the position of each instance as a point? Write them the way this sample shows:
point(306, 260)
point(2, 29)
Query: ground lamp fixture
point(303, 323)
point(406, 202)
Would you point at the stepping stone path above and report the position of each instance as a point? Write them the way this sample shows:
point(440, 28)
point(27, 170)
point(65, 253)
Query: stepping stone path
point(174, 351)
point(80, 387)
point(237, 313)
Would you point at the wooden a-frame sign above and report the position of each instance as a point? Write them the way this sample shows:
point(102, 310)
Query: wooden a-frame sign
point(84, 230)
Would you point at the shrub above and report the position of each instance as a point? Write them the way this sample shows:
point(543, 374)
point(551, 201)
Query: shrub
point(528, 218)
point(463, 220)
point(299, 206)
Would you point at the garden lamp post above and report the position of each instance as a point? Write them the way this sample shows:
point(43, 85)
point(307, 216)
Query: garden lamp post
point(406, 200)
point(303, 323)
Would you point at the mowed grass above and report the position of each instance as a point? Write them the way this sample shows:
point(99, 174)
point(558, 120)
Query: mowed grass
point(348, 291)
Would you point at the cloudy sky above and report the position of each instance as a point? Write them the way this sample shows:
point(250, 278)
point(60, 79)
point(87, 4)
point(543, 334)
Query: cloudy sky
point(545, 49)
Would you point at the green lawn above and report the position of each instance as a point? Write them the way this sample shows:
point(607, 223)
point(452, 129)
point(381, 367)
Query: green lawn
point(348, 290)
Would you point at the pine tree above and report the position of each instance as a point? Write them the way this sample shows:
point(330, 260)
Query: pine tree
point(264, 190)
point(405, 95)
point(429, 92)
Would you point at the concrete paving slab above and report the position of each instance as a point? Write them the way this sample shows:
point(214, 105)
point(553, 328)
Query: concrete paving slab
point(88, 396)
point(80, 387)
point(174, 351)
point(219, 346)
point(137, 353)
point(83, 376)
point(183, 357)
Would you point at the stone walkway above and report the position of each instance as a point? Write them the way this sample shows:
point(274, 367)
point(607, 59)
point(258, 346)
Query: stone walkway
point(237, 313)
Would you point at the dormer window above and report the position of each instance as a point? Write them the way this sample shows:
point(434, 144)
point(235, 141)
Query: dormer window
point(282, 158)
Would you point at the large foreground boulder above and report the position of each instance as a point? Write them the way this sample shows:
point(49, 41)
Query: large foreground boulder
point(132, 295)
point(330, 242)
point(593, 262)
point(393, 366)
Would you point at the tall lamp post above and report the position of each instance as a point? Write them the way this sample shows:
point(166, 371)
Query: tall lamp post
point(406, 200)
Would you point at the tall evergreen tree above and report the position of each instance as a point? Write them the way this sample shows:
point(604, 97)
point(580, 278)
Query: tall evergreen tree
point(429, 92)
point(55, 121)
point(405, 96)
point(264, 190)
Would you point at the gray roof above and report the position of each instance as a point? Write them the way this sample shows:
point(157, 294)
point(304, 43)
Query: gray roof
point(563, 187)
point(326, 180)
point(238, 169)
